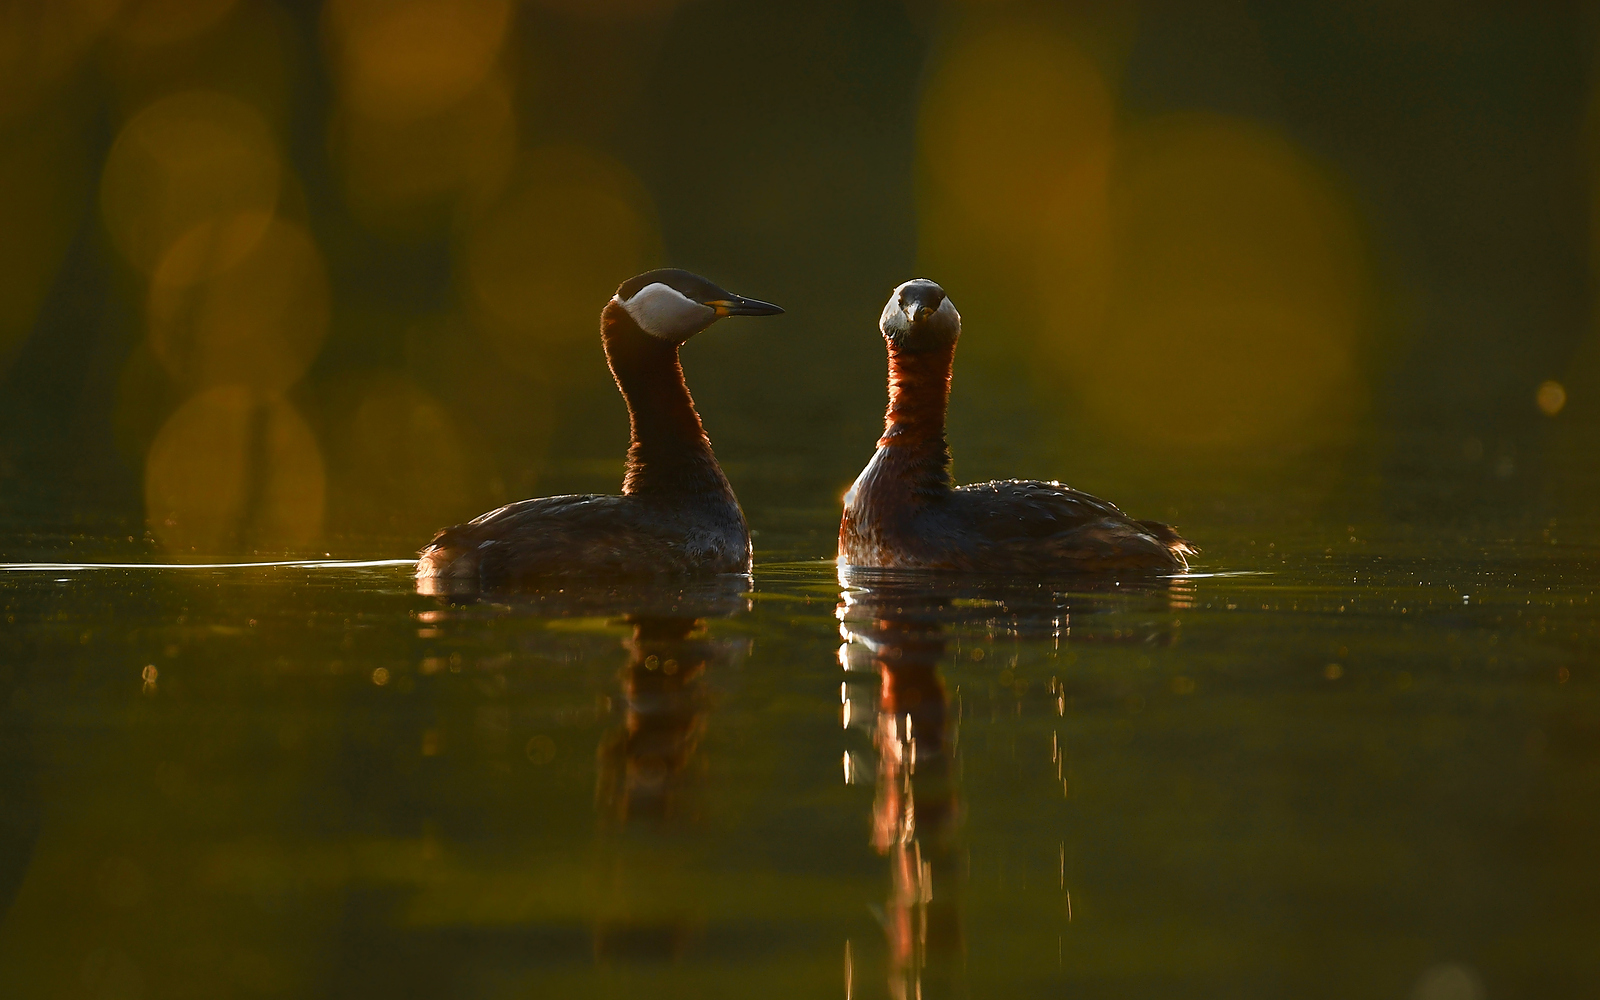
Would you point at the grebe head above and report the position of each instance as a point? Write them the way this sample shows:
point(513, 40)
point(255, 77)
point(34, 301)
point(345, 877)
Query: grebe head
point(920, 317)
point(675, 305)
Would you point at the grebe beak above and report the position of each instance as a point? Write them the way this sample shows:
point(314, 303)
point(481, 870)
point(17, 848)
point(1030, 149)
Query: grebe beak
point(738, 305)
point(920, 300)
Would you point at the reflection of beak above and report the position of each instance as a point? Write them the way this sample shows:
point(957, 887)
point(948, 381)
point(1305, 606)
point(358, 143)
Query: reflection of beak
point(738, 305)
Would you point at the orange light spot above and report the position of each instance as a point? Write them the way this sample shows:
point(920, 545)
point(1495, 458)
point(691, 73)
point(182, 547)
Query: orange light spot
point(1551, 397)
point(259, 322)
point(542, 263)
point(402, 466)
point(1194, 283)
point(396, 171)
point(211, 247)
point(1236, 296)
point(1016, 132)
point(231, 472)
point(403, 59)
point(182, 162)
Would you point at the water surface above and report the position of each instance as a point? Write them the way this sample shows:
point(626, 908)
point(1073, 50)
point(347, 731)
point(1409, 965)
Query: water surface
point(1363, 769)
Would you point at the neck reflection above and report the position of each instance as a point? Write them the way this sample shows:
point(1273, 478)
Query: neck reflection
point(916, 810)
point(650, 778)
point(642, 892)
point(898, 628)
point(644, 771)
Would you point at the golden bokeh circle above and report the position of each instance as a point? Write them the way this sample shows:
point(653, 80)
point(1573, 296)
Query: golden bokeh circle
point(1224, 303)
point(184, 160)
point(1238, 292)
point(400, 59)
point(462, 155)
point(211, 247)
point(233, 472)
point(403, 470)
point(1551, 397)
point(259, 322)
point(1015, 126)
point(541, 264)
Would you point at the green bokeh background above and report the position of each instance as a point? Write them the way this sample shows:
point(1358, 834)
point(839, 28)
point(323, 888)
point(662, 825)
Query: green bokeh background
point(783, 149)
point(1313, 280)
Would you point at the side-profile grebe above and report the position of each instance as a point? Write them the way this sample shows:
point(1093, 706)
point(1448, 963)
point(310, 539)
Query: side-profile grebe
point(676, 516)
point(903, 512)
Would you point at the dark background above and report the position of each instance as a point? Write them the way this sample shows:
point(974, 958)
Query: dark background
point(1211, 257)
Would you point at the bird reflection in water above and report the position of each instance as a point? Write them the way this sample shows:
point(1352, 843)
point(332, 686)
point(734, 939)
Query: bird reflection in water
point(647, 769)
point(896, 628)
point(644, 761)
point(648, 781)
point(916, 812)
point(648, 772)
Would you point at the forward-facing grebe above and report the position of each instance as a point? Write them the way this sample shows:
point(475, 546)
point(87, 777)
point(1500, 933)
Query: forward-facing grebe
point(676, 516)
point(903, 512)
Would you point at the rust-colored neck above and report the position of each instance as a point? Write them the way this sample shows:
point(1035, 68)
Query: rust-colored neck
point(913, 450)
point(668, 451)
point(919, 395)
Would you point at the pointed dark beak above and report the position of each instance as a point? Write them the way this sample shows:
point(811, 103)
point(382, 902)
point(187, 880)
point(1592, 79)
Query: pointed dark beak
point(738, 305)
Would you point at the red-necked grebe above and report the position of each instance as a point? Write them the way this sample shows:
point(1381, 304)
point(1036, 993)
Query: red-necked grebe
point(676, 516)
point(904, 513)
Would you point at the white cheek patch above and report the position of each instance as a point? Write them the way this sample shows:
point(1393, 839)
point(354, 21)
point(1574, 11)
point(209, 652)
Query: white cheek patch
point(663, 311)
point(893, 322)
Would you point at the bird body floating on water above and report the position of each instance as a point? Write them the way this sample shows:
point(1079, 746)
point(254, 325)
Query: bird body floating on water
point(904, 513)
point(677, 515)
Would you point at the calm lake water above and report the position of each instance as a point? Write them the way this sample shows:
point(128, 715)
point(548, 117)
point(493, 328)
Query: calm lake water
point(1321, 766)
